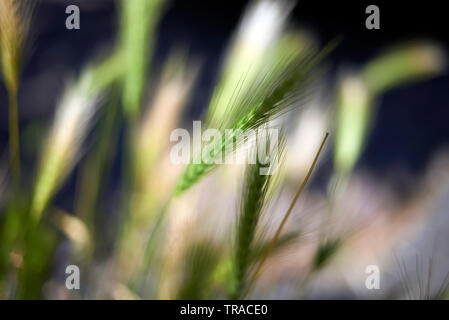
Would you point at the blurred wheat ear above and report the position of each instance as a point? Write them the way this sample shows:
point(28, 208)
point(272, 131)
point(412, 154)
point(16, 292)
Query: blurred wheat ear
point(139, 20)
point(325, 252)
point(402, 64)
point(201, 259)
point(72, 121)
point(257, 189)
point(253, 46)
point(15, 18)
point(356, 109)
point(148, 192)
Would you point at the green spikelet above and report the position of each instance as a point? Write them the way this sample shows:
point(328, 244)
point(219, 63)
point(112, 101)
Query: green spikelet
point(275, 93)
point(254, 193)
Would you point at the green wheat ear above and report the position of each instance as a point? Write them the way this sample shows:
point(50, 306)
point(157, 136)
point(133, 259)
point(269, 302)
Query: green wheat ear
point(277, 235)
point(275, 92)
point(255, 196)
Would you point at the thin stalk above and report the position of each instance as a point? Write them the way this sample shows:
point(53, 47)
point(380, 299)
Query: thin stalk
point(284, 220)
point(14, 144)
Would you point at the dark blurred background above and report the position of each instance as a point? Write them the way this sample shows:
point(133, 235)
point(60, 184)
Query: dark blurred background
point(412, 121)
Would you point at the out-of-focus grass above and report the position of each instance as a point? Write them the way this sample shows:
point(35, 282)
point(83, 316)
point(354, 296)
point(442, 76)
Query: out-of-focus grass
point(138, 22)
point(72, 121)
point(200, 261)
point(358, 92)
point(255, 44)
point(148, 194)
point(15, 19)
point(151, 248)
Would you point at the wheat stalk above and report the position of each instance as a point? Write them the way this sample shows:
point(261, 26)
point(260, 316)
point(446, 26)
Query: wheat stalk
point(15, 17)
